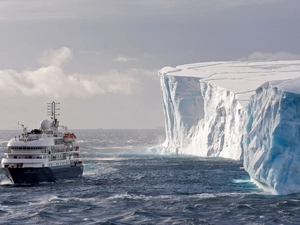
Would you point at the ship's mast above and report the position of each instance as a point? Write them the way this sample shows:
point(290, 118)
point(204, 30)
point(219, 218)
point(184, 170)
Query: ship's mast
point(52, 109)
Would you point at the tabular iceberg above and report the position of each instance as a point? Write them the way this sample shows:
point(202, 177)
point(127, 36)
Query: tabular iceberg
point(237, 110)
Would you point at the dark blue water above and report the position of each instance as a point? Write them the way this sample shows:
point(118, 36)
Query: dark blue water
point(124, 183)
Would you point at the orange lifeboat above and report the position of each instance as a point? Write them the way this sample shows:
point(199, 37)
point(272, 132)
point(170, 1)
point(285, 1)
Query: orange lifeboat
point(69, 137)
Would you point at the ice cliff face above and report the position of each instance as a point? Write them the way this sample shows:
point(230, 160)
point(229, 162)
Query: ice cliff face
point(272, 138)
point(183, 108)
point(231, 109)
point(201, 118)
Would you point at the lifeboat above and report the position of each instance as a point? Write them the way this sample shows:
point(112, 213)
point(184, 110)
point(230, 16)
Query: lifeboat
point(69, 137)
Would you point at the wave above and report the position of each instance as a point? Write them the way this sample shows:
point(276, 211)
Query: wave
point(5, 182)
point(241, 181)
point(81, 141)
point(178, 197)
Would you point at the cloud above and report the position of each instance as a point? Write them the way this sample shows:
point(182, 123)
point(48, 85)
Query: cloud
point(50, 80)
point(255, 56)
point(51, 57)
point(153, 74)
point(123, 59)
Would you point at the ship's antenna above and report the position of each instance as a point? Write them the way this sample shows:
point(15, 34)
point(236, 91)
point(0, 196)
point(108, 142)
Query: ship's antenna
point(23, 126)
point(52, 109)
point(25, 134)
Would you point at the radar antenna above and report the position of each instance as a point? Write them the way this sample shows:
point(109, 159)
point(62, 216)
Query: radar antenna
point(52, 109)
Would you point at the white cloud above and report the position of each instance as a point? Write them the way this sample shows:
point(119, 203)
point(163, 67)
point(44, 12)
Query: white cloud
point(145, 73)
point(58, 57)
point(270, 56)
point(51, 80)
point(123, 59)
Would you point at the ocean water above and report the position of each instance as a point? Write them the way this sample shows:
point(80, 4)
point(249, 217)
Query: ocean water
point(125, 183)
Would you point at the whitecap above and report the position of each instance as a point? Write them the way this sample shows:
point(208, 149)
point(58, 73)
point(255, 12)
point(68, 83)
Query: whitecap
point(207, 195)
point(130, 196)
point(5, 182)
point(241, 181)
point(81, 141)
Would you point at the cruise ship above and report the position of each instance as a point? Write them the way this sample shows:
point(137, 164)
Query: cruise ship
point(46, 154)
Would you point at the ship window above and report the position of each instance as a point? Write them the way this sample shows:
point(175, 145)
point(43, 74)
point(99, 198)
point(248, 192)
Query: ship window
point(58, 141)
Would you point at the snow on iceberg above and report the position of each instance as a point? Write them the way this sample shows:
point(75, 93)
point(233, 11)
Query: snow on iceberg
point(236, 109)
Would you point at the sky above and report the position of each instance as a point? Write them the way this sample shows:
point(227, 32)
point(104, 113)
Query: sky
point(100, 58)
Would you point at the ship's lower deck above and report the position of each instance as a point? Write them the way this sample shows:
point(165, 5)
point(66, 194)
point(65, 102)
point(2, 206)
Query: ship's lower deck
point(42, 174)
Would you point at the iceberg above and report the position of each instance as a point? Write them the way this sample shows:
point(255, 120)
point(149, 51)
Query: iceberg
point(239, 110)
point(272, 138)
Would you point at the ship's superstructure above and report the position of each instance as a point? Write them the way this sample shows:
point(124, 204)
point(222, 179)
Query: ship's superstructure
point(43, 155)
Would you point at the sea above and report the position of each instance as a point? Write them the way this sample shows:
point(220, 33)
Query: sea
point(126, 182)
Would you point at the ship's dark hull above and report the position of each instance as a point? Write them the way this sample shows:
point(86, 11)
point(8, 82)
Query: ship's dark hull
point(42, 174)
